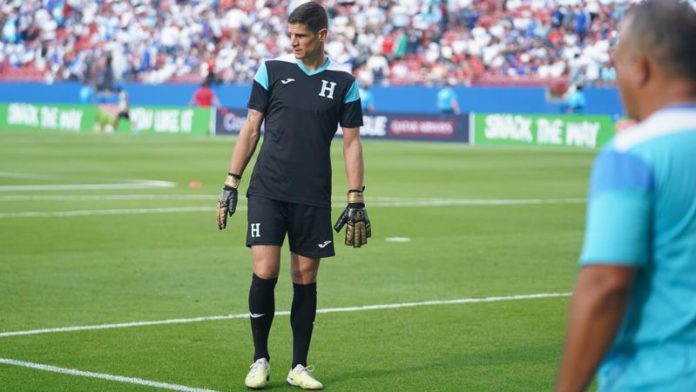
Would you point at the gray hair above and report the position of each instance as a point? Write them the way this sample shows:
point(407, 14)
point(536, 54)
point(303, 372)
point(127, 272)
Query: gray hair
point(666, 28)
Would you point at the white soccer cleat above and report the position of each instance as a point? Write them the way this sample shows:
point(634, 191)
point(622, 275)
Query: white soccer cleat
point(302, 377)
point(259, 374)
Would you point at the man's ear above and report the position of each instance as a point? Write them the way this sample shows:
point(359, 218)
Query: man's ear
point(323, 34)
point(643, 69)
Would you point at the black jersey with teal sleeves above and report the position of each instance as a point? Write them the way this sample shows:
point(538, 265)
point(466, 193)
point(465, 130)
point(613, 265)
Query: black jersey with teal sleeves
point(302, 111)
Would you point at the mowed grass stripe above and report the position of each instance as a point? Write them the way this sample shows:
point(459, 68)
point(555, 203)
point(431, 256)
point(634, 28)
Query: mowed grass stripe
point(393, 203)
point(144, 184)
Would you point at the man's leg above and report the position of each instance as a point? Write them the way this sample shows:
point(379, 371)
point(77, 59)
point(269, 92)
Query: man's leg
point(261, 296)
point(265, 234)
point(304, 305)
point(311, 239)
point(304, 309)
point(261, 311)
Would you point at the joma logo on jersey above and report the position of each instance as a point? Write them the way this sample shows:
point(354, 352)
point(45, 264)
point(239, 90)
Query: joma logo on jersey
point(327, 89)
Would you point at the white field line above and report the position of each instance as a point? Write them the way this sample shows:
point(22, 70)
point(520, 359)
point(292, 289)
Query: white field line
point(101, 376)
point(283, 313)
point(144, 184)
point(388, 202)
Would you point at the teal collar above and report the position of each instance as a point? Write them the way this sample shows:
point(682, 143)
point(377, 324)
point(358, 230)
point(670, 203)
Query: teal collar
point(304, 69)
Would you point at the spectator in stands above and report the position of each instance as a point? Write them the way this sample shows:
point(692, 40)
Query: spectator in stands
point(105, 76)
point(582, 21)
point(607, 74)
point(378, 65)
point(447, 101)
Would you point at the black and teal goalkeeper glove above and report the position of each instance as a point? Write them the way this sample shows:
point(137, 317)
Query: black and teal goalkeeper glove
point(227, 204)
point(355, 217)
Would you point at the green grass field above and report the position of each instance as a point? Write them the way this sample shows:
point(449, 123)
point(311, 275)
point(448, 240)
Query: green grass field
point(482, 223)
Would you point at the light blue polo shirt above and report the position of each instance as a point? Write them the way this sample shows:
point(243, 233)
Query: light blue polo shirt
point(445, 97)
point(642, 213)
point(366, 99)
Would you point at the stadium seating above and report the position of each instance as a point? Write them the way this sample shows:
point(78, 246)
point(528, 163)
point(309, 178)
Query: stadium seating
point(496, 42)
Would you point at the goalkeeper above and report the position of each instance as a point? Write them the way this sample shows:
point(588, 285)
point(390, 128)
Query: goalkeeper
point(302, 98)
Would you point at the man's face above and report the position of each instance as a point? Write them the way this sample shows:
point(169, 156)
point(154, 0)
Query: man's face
point(627, 73)
point(305, 43)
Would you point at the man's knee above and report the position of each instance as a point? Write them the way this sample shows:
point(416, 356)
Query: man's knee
point(266, 272)
point(305, 271)
point(266, 262)
point(304, 276)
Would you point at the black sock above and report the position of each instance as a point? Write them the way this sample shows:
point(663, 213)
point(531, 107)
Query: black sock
point(304, 309)
point(261, 311)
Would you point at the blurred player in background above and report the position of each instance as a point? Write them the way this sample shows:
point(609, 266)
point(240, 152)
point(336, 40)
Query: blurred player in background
point(367, 99)
point(123, 106)
point(633, 313)
point(302, 98)
point(447, 101)
point(204, 96)
point(576, 100)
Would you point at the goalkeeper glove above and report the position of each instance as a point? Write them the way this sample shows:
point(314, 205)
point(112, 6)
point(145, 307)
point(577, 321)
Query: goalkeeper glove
point(228, 199)
point(355, 216)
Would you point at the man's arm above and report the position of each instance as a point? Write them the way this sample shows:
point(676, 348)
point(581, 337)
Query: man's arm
point(455, 105)
point(246, 142)
point(243, 150)
point(353, 157)
point(355, 214)
point(597, 309)
point(216, 102)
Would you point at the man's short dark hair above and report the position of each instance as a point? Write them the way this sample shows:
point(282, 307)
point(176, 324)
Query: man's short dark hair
point(310, 14)
point(666, 28)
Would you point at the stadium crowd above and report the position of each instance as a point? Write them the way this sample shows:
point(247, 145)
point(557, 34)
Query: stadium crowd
point(385, 42)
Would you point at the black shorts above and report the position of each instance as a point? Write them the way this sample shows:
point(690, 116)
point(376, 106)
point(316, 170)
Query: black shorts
point(308, 227)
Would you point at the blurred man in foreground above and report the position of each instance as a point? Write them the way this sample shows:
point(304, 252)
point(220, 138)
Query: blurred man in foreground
point(633, 313)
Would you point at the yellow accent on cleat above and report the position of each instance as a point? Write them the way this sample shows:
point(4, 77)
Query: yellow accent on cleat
point(302, 377)
point(259, 374)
